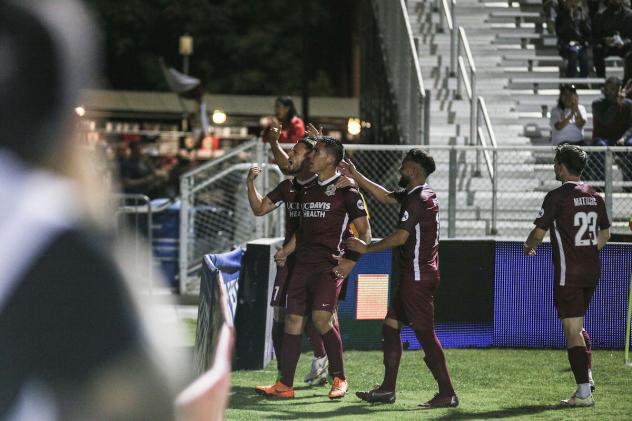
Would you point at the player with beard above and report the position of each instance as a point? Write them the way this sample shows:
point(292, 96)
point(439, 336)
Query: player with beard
point(577, 218)
point(319, 269)
point(417, 239)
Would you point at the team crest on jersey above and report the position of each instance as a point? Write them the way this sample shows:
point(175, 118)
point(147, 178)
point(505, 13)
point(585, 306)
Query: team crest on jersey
point(405, 216)
point(360, 204)
point(541, 213)
point(330, 190)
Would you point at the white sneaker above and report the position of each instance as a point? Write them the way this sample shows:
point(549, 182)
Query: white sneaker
point(318, 373)
point(577, 402)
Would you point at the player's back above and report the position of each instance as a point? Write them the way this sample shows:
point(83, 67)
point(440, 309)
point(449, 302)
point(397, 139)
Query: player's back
point(578, 213)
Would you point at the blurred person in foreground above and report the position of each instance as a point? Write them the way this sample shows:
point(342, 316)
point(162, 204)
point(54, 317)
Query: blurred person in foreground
point(568, 118)
point(72, 344)
point(579, 227)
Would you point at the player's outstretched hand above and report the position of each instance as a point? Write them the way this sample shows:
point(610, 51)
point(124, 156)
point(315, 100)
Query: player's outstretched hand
point(528, 251)
point(347, 168)
point(345, 182)
point(280, 257)
point(254, 172)
point(355, 244)
point(272, 132)
point(343, 268)
point(311, 130)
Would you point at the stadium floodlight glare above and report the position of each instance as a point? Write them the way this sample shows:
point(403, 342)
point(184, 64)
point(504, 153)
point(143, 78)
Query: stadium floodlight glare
point(219, 117)
point(353, 126)
point(80, 111)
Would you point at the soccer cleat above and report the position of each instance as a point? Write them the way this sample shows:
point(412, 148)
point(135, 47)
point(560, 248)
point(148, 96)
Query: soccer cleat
point(338, 388)
point(318, 372)
point(439, 401)
point(377, 395)
point(277, 390)
point(577, 402)
point(592, 385)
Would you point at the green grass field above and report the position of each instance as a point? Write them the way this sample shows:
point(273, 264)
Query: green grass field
point(491, 384)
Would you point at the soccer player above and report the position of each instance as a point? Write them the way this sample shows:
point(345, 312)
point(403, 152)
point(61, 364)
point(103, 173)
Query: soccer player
point(577, 218)
point(318, 275)
point(417, 239)
point(295, 163)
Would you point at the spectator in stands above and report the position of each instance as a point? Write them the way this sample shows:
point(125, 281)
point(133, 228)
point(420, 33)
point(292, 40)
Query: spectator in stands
point(573, 37)
point(612, 33)
point(137, 172)
point(292, 127)
point(612, 124)
point(568, 118)
point(209, 147)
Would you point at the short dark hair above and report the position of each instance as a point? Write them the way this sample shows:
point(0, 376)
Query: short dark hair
point(572, 156)
point(422, 159)
point(614, 80)
point(333, 146)
point(309, 142)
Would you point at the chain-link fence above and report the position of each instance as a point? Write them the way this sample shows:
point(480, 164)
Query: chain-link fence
point(482, 191)
point(215, 215)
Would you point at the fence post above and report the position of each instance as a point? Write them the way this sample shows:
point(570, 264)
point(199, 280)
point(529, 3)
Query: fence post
point(453, 39)
point(185, 227)
point(608, 182)
point(453, 169)
point(426, 122)
point(260, 182)
point(495, 192)
point(458, 70)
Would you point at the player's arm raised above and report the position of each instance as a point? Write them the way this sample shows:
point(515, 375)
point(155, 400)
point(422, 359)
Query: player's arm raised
point(382, 194)
point(259, 205)
point(271, 135)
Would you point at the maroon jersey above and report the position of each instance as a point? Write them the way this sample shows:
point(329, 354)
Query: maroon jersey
point(326, 215)
point(574, 213)
point(288, 193)
point(419, 215)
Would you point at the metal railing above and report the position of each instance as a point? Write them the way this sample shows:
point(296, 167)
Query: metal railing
point(401, 54)
point(215, 214)
point(447, 14)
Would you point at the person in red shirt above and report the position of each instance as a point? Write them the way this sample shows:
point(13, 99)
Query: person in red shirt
point(292, 127)
point(417, 240)
point(577, 218)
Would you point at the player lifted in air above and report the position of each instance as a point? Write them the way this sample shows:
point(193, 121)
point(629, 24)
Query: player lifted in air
point(319, 270)
point(417, 238)
point(576, 217)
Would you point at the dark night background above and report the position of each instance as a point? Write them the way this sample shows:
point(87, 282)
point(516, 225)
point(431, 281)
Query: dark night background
point(240, 47)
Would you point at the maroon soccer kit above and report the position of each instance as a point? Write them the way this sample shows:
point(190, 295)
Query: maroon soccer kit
point(326, 215)
point(413, 299)
point(287, 193)
point(573, 213)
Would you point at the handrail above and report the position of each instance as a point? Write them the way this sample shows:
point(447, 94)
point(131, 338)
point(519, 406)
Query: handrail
point(399, 49)
point(492, 165)
point(470, 85)
point(448, 13)
point(233, 152)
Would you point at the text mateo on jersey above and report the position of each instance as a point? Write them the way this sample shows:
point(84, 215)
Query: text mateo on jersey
point(585, 201)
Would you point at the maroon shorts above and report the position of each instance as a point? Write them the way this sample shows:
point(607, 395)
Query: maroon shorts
point(413, 304)
point(572, 301)
point(281, 282)
point(312, 287)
